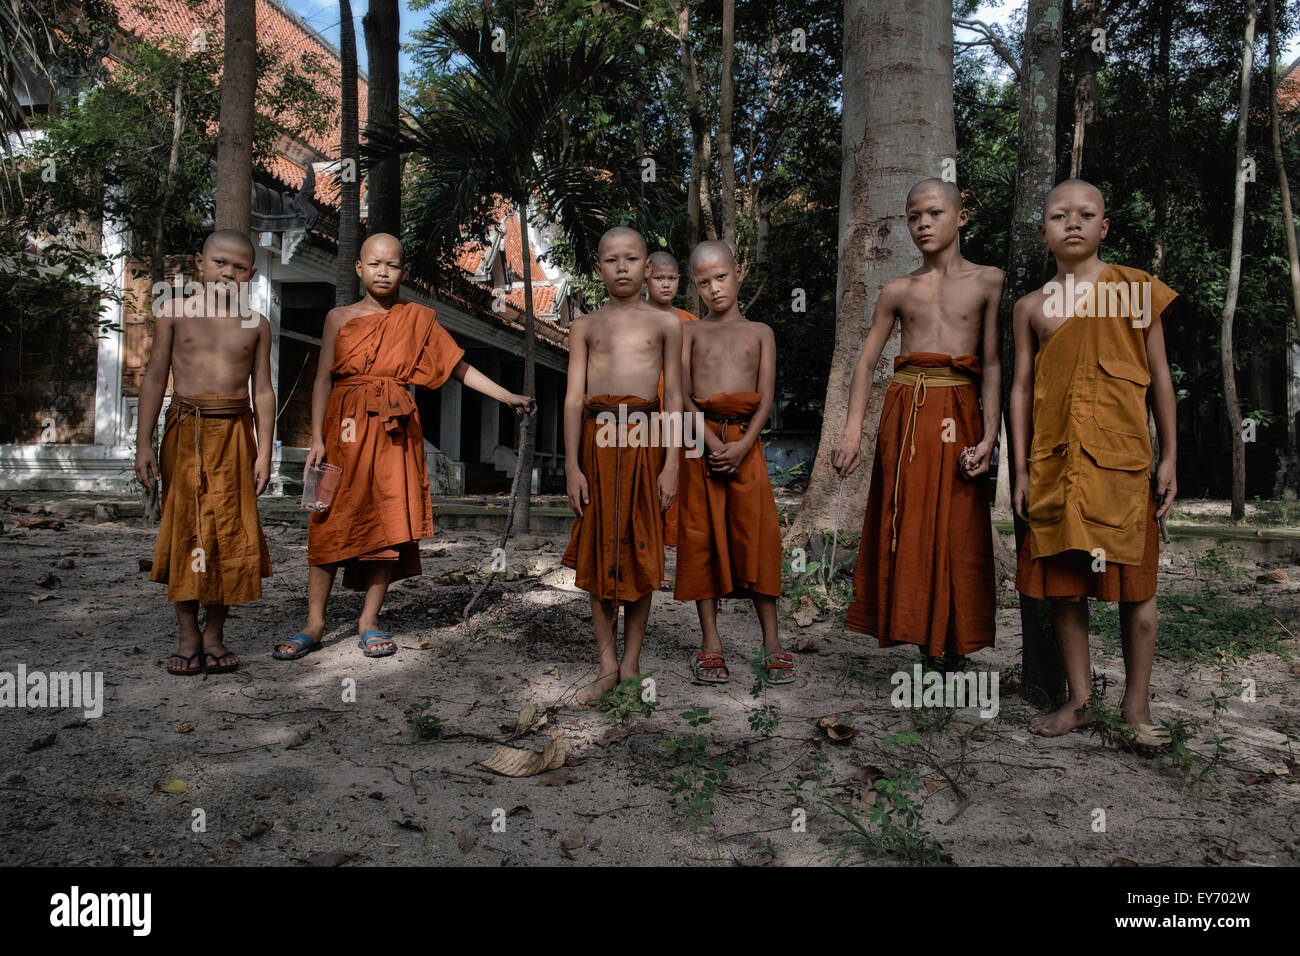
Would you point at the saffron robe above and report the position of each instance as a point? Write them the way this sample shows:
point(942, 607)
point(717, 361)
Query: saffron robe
point(935, 586)
point(616, 546)
point(729, 538)
point(1090, 459)
point(210, 503)
point(670, 516)
point(381, 507)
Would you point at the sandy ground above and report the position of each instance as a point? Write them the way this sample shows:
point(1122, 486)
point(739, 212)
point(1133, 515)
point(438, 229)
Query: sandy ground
point(286, 768)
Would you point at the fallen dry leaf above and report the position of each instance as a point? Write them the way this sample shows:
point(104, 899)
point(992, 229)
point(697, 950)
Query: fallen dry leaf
point(574, 840)
point(1123, 861)
point(256, 830)
point(806, 611)
point(114, 799)
point(52, 524)
point(48, 580)
point(765, 859)
point(835, 730)
point(512, 762)
point(170, 786)
point(422, 646)
point(331, 858)
point(465, 841)
point(931, 784)
point(1277, 576)
point(185, 728)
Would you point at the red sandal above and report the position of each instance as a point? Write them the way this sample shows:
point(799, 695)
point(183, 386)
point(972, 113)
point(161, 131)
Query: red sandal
point(705, 668)
point(780, 667)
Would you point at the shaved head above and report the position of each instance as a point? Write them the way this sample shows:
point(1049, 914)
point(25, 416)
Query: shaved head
point(712, 249)
point(385, 242)
point(663, 260)
point(620, 232)
point(948, 190)
point(229, 237)
point(1076, 184)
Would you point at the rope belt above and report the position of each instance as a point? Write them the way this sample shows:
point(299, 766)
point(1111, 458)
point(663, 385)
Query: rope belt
point(919, 379)
point(197, 408)
point(591, 410)
point(724, 420)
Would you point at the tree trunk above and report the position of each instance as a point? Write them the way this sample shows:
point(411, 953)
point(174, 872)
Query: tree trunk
point(1027, 266)
point(1160, 110)
point(726, 99)
point(897, 126)
point(1290, 472)
point(384, 181)
point(523, 508)
point(234, 195)
point(1234, 277)
point(699, 129)
point(1085, 80)
point(158, 257)
point(345, 263)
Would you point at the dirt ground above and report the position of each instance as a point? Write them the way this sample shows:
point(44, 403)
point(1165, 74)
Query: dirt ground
point(287, 769)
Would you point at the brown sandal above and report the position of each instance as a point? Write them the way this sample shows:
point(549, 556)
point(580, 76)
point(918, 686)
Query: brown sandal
point(705, 667)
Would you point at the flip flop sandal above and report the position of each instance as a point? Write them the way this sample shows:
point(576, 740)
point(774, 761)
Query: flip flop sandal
point(216, 667)
point(705, 667)
point(370, 638)
point(780, 668)
point(305, 644)
point(188, 660)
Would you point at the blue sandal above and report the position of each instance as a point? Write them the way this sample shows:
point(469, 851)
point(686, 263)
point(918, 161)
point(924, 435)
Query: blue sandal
point(370, 638)
point(305, 644)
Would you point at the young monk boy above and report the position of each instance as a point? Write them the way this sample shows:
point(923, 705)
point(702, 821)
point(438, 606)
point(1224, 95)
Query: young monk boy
point(619, 485)
point(365, 421)
point(729, 542)
point(210, 548)
point(1088, 345)
point(925, 565)
point(661, 286)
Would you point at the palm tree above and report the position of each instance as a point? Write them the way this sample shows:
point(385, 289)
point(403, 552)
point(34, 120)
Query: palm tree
point(234, 198)
point(497, 125)
point(345, 276)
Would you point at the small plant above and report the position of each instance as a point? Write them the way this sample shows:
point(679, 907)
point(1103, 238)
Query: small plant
point(427, 725)
point(699, 777)
point(627, 699)
point(766, 719)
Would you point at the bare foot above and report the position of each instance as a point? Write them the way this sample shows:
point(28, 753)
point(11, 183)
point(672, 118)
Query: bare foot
point(1073, 715)
point(628, 669)
point(602, 685)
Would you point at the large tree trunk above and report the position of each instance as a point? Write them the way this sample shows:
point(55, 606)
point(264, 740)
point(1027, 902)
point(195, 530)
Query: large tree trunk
point(384, 181)
point(234, 195)
point(1085, 79)
point(1291, 467)
point(726, 101)
point(345, 263)
point(523, 508)
point(897, 127)
point(1160, 110)
point(158, 255)
point(699, 130)
point(1027, 266)
point(1231, 406)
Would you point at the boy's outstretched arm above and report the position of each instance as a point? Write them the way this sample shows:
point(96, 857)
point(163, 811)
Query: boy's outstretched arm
point(847, 454)
point(732, 454)
point(991, 378)
point(574, 395)
point(1022, 405)
point(263, 405)
point(1166, 415)
point(152, 387)
point(471, 377)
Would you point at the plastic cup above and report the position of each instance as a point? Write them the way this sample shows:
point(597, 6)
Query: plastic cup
point(318, 484)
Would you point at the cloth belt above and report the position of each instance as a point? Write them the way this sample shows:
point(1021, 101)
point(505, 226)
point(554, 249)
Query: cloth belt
point(387, 397)
point(920, 379)
point(725, 420)
point(197, 408)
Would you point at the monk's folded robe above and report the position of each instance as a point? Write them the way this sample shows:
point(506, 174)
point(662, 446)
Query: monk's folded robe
point(925, 571)
point(616, 546)
point(1089, 496)
point(381, 508)
point(670, 516)
point(729, 536)
point(210, 545)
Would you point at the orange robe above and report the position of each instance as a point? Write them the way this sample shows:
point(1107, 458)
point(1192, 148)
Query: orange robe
point(210, 503)
point(381, 508)
point(935, 586)
point(670, 516)
point(617, 545)
point(730, 537)
point(1089, 492)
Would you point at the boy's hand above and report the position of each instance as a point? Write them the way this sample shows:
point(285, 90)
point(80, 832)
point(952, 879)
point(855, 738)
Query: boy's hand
point(727, 460)
point(523, 404)
point(667, 489)
point(846, 456)
point(261, 473)
point(146, 467)
point(316, 455)
point(577, 488)
point(1166, 487)
point(978, 462)
point(1020, 498)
